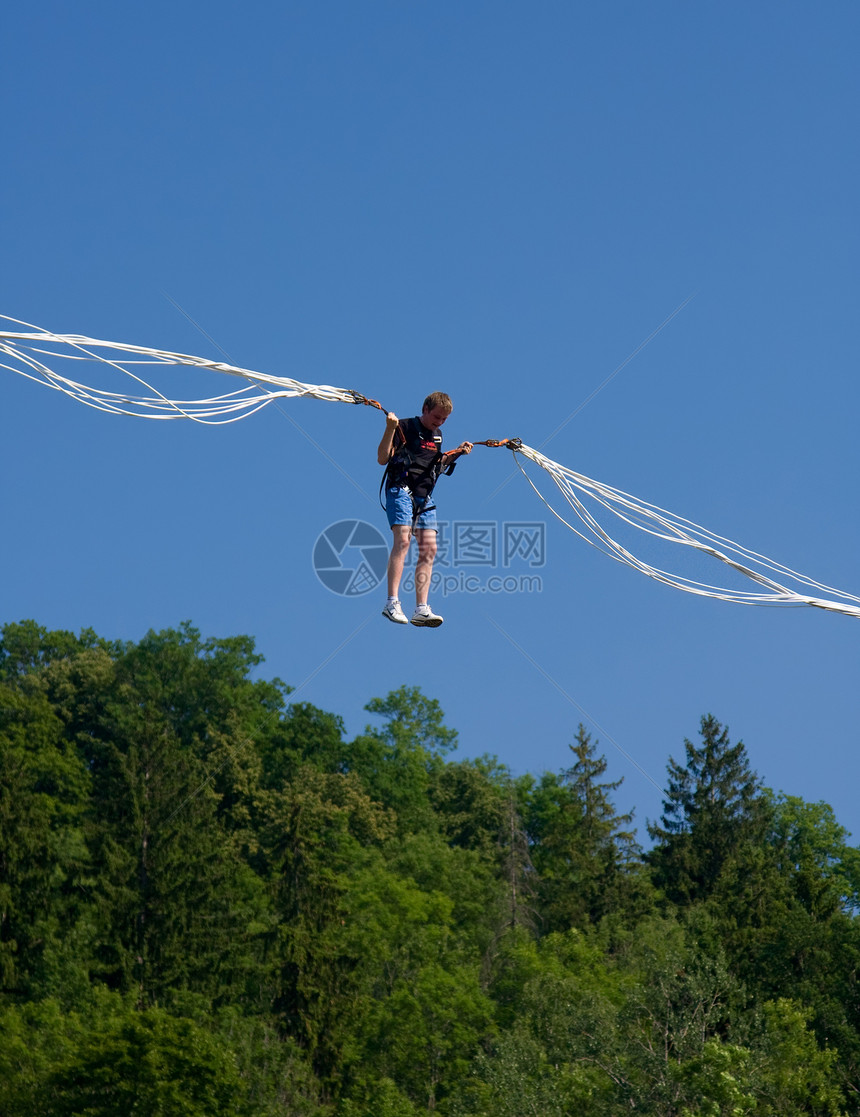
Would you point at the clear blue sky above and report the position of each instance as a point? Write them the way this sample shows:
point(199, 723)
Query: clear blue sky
point(502, 201)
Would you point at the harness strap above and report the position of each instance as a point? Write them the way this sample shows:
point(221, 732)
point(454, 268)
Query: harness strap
point(512, 443)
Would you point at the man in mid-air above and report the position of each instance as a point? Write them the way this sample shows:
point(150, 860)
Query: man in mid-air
point(411, 451)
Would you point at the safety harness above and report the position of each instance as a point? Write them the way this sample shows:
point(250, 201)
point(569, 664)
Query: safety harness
point(403, 455)
point(414, 467)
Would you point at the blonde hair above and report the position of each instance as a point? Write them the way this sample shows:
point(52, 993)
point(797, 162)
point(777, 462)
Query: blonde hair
point(438, 399)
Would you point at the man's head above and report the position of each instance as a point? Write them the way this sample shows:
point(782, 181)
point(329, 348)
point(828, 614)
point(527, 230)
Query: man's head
point(437, 408)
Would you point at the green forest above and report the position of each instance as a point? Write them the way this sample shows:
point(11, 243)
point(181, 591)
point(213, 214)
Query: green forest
point(213, 903)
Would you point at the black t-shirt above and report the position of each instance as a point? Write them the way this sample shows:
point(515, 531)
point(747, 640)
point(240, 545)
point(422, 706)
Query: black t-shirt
point(417, 457)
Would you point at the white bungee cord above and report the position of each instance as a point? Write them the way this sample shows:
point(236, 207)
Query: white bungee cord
point(28, 354)
point(670, 528)
point(30, 351)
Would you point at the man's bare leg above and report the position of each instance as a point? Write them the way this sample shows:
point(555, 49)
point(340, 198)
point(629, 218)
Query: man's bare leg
point(424, 566)
point(402, 537)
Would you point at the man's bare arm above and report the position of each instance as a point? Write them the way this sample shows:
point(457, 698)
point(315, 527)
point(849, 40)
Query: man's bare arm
point(383, 454)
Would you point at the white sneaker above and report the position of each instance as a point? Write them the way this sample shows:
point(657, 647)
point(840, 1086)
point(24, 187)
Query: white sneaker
point(394, 613)
point(424, 617)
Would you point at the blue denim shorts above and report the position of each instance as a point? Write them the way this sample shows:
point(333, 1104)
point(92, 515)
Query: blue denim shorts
point(398, 506)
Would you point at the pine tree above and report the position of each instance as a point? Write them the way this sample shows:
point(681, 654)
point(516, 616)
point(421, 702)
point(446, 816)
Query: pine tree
point(518, 872)
point(44, 790)
point(714, 807)
point(582, 850)
point(162, 728)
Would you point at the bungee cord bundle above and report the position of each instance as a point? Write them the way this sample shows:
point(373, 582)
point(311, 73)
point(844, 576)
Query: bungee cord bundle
point(666, 526)
point(38, 354)
point(29, 353)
